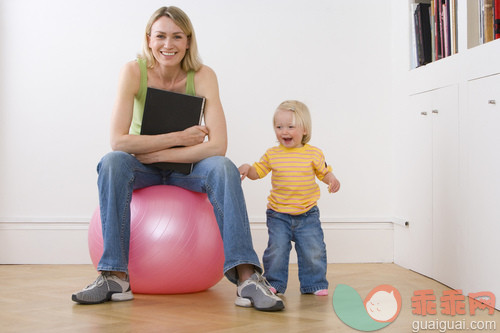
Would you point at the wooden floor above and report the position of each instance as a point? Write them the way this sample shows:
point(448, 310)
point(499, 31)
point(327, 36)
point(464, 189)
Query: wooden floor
point(37, 298)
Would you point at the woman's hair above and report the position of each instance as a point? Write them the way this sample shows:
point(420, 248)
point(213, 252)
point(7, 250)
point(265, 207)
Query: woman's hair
point(191, 60)
point(301, 115)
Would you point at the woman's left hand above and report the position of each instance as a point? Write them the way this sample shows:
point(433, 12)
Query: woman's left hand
point(148, 158)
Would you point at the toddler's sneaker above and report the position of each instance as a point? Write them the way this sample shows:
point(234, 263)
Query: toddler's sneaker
point(322, 292)
point(106, 287)
point(255, 292)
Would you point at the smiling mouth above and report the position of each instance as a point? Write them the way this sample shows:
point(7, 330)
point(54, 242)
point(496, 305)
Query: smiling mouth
point(167, 53)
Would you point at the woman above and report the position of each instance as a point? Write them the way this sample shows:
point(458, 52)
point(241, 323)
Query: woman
point(170, 61)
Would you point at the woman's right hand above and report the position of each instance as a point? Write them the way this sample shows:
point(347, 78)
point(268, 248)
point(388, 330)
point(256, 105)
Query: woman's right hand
point(194, 135)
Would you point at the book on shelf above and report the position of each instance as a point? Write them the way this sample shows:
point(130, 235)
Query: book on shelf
point(473, 31)
point(484, 21)
point(453, 27)
point(413, 41)
point(165, 112)
point(423, 34)
point(435, 29)
point(489, 18)
point(496, 19)
point(496, 22)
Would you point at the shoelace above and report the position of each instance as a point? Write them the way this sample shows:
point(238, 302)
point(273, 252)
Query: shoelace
point(101, 279)
point(263, 281)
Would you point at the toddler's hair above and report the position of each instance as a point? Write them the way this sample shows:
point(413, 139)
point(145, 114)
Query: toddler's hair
point(301, 115)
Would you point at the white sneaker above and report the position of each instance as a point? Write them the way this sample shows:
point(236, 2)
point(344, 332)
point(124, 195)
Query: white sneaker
point(106, 287)
point(256, 292)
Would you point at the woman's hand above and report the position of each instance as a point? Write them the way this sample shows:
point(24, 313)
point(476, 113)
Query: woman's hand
point(189, 137)
point(148, 158)
point(194, 135)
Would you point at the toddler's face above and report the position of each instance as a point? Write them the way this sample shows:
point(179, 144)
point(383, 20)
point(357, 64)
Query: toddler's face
point(287, 132)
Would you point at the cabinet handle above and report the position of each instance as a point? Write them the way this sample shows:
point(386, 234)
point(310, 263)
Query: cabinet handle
point(492, 101)
point(423, 113)
point(435, 111)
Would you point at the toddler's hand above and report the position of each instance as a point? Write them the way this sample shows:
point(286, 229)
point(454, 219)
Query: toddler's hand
point(244, 170)
point(334, 185)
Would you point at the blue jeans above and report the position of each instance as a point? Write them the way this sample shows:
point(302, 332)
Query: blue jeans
point(121, 173)
point(305, 230)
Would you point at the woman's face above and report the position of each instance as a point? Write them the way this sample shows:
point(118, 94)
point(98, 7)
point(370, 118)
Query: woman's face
point(168, 42)
point(287, 132)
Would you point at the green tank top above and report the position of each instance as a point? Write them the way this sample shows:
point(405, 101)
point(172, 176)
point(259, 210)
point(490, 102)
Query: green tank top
point(140, 98)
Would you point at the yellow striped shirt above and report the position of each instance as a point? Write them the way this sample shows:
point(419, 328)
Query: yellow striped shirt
point(294, 171)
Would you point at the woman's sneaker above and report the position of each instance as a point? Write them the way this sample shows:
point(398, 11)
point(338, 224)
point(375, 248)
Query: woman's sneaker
point(106, 287)
point(255, 292)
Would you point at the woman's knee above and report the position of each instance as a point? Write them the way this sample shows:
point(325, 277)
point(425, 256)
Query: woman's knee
point(222, 167)
point(113, 160)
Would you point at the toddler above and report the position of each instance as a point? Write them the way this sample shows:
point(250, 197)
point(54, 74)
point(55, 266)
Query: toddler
point(292, 212)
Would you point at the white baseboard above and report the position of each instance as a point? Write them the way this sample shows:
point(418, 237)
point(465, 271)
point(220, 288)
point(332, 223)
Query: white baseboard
point(44, 243)
point(41, 242)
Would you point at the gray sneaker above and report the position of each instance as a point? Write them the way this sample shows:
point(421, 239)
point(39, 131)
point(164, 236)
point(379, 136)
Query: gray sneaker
point(255, 292)
point(106, 287)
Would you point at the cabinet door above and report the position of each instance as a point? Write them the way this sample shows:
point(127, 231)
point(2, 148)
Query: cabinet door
point(481, 179)
point(445, 185)
point(430, 188)
point(418, 183)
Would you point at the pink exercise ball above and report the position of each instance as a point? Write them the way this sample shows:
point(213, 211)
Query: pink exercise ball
point(175, 242)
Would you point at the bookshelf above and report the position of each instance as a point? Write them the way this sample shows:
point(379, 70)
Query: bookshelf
point(447, 125)
point(436, 25)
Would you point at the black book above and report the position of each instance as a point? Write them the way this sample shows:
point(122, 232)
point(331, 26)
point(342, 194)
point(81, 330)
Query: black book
point(165, 112)
point(423, 34)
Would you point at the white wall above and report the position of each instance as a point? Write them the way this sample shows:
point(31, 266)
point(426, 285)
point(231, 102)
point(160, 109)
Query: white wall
point(60, 62)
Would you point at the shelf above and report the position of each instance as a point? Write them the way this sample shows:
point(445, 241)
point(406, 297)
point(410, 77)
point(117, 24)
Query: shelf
point(481, 22)
point(434, 30)
point(442, 28)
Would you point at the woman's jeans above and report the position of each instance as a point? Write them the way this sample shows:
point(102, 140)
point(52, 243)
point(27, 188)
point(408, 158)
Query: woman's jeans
point(121, 173)
point(305, 230)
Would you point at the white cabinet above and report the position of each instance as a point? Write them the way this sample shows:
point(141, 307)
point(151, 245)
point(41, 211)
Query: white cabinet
point(428, 181)
point(444, 115)
point(447, 164)
point(480, 164)
point(450, 187)
point(413, 185)
point(438, 113)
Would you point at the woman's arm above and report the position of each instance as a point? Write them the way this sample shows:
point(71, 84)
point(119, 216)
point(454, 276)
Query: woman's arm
point(121, 119)
point(215, 122)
